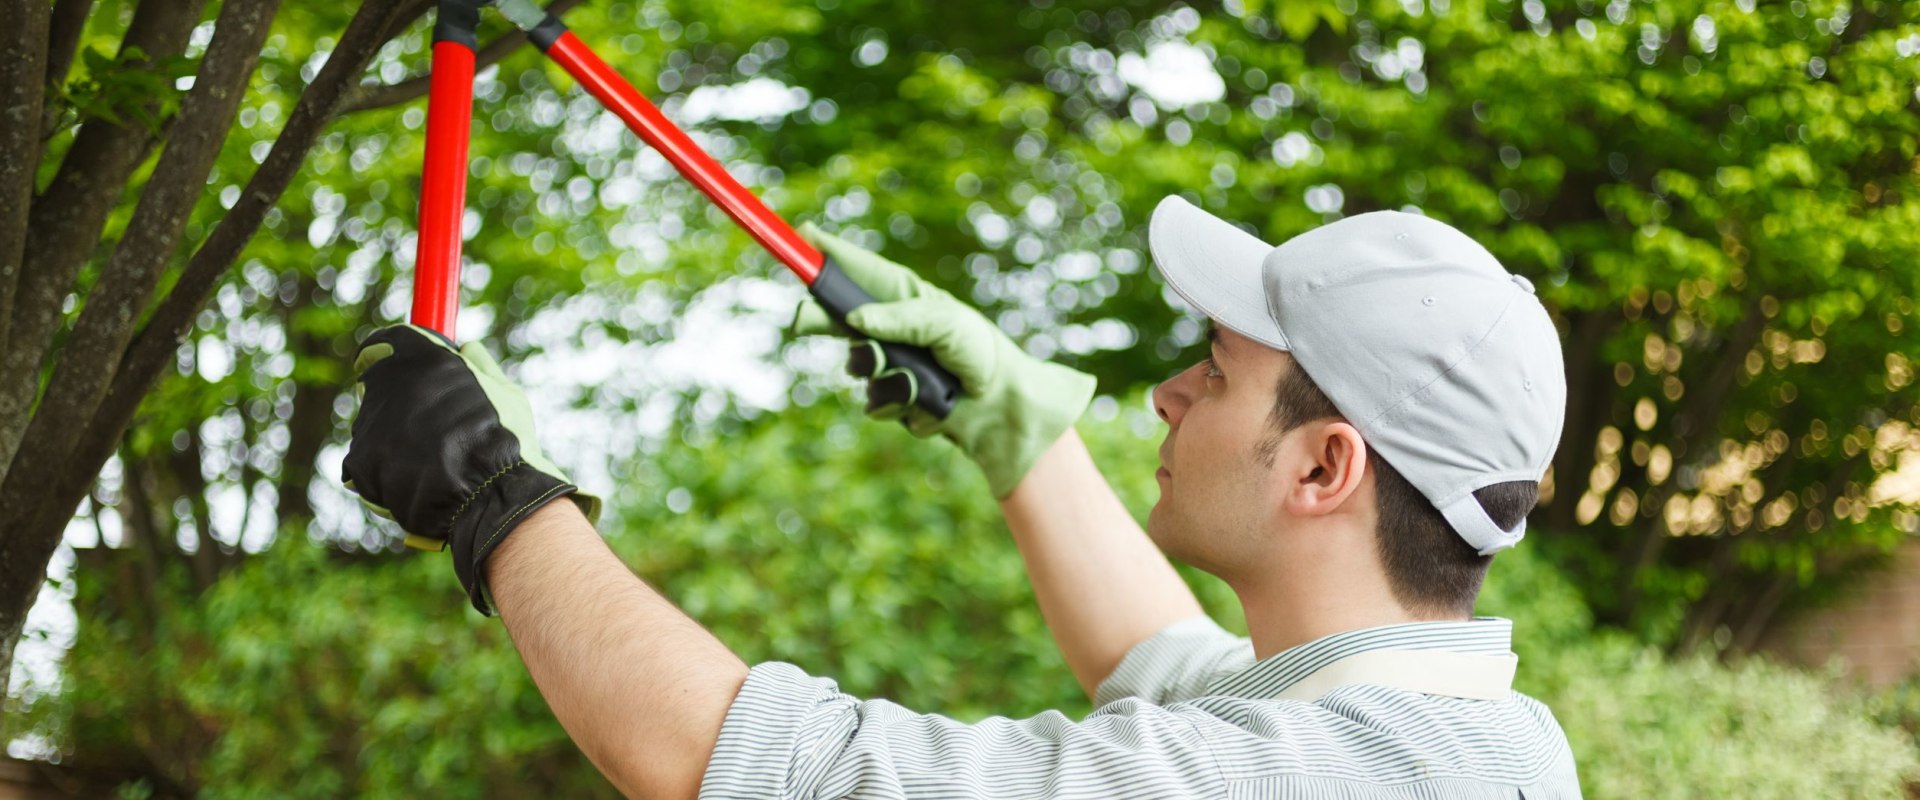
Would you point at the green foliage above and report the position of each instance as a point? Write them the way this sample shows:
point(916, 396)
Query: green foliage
point(384, 687)
point(1897, 705)
point(1548, 612)
point(1646, 726)
point(129, 88)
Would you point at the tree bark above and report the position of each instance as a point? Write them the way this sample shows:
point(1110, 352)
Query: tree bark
point(64, 224)
point(191, 483)
point(1586, 411)
point(1760, 616)
point(34, 509)
point(1709, 610)
point(23, 55)
point(108, 319)
point(30, 506)
point(308, 430)
point(56, 232)
point(308, 427)
point(39, 779)
point(92, 353)
point(63, 39)
point(152, 350)
point(1699, 420)
point(143, 523)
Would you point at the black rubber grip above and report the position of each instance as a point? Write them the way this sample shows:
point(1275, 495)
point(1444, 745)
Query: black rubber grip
point(938, 389)
point(546, 33)
point(456, 21)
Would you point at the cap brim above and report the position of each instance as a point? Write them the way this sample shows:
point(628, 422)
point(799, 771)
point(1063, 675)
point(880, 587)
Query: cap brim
point(1215, 267)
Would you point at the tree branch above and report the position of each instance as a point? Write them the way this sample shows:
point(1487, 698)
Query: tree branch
point(1588, 409)
point(91, 355)
point(23, 54)
point(1699, 419)
point(1760, 615)
point(67, 779)
point(311, 422)
point(1706, 613)
point(203, 564)
point(63, 38)
point(152, 351)
point(141, 518)
point(371, 96)
point(65, 221)
point(402, 16)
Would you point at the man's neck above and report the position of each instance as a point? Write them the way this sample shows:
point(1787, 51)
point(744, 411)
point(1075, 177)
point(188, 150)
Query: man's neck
point(1287, 611)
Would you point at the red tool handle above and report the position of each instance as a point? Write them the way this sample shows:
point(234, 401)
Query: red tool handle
point(902, 373)
point(443, 187)
point(661, 134)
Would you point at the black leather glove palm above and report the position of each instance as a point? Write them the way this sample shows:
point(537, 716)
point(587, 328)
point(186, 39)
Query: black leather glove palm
point(444, 445)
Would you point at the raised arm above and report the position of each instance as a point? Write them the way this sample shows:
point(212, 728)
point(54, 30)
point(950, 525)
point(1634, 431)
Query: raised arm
point(640, 687)
point(444, 445)
point(1102, 584)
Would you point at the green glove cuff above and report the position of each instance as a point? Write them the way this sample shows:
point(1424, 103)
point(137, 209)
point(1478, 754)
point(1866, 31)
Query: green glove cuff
point(1033, 412)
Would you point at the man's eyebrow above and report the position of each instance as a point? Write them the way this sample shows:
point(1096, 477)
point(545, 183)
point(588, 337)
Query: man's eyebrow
point(1213, 336)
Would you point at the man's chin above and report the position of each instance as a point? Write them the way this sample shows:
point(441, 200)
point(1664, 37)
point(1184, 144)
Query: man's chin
point(1164, 528)
point(1157, 524)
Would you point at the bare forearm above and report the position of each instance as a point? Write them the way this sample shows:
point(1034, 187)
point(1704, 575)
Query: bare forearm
point(1102, 584)
point(640, 687)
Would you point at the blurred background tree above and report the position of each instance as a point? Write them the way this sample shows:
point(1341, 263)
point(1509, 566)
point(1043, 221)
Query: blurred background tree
point(1717, 201)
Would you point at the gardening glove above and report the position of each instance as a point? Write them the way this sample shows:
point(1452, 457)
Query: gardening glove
point(444, 445)
point(1012, 407)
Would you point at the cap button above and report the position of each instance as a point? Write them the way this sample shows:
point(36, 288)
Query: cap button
point(1524, 283)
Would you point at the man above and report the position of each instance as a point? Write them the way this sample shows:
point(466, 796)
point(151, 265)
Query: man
point(1380, 402)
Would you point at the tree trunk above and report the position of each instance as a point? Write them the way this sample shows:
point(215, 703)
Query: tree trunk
point(308, 428)
point(191, 483)
point(1586, 413)
point(23, 56)
point(102, 369)
point(63, 226)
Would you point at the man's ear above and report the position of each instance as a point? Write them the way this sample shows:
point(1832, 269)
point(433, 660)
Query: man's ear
point(1331, 463)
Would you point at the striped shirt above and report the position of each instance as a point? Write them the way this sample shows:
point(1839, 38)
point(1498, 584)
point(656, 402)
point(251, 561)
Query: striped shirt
point(1387, 712)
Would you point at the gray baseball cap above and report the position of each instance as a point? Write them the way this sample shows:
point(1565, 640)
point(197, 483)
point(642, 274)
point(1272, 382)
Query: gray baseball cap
point(1446, 363)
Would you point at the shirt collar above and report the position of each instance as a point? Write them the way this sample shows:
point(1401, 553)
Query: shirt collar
point(1269, 677)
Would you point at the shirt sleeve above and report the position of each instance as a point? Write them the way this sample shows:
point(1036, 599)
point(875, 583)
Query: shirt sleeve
point(1176, 664)
point(790, 735)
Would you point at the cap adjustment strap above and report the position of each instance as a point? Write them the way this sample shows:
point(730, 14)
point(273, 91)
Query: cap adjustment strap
point(1472, 523)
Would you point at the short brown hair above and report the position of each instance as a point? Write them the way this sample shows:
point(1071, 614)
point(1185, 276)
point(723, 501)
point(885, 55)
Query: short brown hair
point(1430, 569)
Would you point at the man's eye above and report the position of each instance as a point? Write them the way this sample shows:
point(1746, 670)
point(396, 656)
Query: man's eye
point(1213, 370)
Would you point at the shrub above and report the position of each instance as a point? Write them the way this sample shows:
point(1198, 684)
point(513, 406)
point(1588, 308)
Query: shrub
point(1643, 725)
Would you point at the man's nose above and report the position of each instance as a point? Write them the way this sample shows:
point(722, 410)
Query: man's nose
point(1173, 395)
